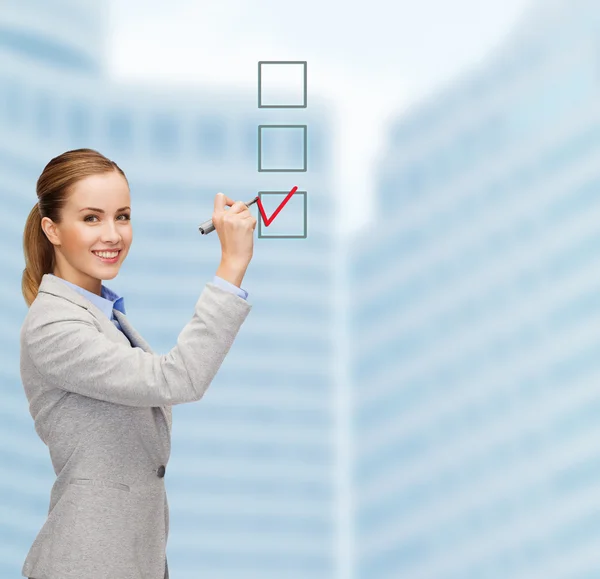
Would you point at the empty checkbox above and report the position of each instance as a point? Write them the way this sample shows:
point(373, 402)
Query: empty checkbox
point(282, 148)
point(282, 84)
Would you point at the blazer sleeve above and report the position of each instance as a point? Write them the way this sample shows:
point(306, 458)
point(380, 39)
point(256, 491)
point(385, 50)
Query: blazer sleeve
point(71, 353)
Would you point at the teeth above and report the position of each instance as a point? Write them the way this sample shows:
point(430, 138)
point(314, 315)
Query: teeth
point(107, 254)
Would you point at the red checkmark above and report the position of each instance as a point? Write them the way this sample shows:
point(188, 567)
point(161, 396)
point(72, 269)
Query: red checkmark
point(268, 221)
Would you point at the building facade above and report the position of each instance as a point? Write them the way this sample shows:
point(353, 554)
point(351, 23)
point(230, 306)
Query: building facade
point(251, 476)
point(476, 321)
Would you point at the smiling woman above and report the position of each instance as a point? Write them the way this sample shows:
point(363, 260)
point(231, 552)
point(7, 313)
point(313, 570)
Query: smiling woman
point(95, 387)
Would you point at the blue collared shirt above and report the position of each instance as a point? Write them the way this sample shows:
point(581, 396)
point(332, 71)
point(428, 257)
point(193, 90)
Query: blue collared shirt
point(109, 299)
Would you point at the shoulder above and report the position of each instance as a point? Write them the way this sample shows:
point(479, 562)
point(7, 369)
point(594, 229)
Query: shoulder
point(48, 309)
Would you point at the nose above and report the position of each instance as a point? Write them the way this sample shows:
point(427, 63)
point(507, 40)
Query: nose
point(110, 233)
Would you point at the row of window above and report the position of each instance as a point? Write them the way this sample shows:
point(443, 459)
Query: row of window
point(465, 316)
point(209, 138)
point(79, 121)
point(482, 199)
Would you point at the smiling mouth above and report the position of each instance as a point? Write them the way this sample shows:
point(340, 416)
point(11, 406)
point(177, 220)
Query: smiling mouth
point(105, 259)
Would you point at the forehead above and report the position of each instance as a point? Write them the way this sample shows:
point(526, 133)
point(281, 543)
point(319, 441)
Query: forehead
point(103, 190)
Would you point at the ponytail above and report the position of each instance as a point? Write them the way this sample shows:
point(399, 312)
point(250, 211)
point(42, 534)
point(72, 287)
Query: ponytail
point(39, 255)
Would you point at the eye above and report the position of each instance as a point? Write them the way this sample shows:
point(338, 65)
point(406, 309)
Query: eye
point(126, 215)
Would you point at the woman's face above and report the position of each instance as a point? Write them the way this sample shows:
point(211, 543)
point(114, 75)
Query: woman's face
point(84, 231)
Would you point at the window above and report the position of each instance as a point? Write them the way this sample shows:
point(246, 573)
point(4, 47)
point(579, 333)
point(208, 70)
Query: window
point(78, 121)
point(250, 142)
point(164, 134)
point(44, 115)
point(12, 103)
point(211, 138)
point(119, 129)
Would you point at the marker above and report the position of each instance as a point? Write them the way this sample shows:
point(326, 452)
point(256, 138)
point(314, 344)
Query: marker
point(208, 226)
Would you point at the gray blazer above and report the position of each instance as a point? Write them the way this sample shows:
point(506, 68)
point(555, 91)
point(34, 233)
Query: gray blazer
point(101, 401)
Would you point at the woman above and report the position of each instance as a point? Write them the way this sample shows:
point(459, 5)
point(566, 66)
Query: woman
point(100, 398)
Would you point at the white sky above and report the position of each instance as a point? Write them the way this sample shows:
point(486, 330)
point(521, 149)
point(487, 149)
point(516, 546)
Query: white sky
point(373, 57)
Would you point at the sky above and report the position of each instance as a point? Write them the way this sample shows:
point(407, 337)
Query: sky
point(373, 60)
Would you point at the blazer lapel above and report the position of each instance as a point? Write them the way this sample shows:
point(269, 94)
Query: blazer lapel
point(138, 342)
point(134, 337)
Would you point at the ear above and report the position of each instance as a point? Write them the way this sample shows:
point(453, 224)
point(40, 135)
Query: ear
point(51, 231)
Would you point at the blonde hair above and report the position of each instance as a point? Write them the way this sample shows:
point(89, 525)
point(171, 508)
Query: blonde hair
point(53, 188)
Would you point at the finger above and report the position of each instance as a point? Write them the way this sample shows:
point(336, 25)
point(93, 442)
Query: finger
point(221, 201)
point(238, 207)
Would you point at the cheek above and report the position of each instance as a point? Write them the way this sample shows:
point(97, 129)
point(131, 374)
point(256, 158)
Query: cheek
point(86, 238)
point(127, 236)
point(77, 239)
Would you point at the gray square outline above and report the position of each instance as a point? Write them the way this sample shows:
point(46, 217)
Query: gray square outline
point(303, 236)
point(260, 127)
point(261, 62)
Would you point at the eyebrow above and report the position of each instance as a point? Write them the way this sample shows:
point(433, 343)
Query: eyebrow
point(102, 210)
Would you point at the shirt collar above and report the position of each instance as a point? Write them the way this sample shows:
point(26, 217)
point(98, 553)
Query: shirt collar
point(106, 302)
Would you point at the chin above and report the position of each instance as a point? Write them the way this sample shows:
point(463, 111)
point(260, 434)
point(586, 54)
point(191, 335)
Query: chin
point(104, 273)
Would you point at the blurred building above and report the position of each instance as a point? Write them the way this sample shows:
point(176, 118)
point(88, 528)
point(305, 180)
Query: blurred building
point(251, 476)
point(477, 321)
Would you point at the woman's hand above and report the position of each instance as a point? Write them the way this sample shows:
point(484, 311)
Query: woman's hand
point(235, 228)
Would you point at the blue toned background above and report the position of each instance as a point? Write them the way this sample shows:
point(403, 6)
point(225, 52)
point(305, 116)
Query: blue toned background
point(416, 393)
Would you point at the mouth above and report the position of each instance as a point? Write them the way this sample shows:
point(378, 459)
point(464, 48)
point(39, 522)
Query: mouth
point(108, 256)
